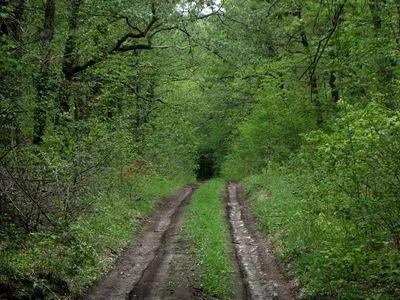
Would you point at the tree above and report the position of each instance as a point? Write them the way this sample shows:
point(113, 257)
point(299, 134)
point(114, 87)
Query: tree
point(43, 83)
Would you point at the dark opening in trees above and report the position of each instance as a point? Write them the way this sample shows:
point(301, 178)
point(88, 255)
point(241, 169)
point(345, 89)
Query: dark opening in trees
point(207, 167)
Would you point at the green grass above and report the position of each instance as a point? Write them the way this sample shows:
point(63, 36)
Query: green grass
point(208, 231)
point(86, 248)
point(330, 254)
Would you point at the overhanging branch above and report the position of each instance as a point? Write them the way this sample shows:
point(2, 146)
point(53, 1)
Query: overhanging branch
point(323, 43)
point(134, 34)
point(134, 90)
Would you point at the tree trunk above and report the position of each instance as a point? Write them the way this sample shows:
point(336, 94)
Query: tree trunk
point(43, 85)
point(315, 99)
point(332, 83)
point(11, 26)
point(68, 60)
point(398, 24)
point(385, 64)
point(376, 18)
point(312, 76)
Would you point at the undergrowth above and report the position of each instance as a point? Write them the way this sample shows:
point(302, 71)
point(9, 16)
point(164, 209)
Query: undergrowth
point(58, 264)
point(334, 254)
point(207, 229)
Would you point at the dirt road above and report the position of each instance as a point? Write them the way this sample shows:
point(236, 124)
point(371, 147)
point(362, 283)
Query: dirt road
point(130, 277)
point(260, 273)
point(159, 265)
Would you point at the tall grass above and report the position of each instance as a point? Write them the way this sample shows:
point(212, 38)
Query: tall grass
point(208, 231)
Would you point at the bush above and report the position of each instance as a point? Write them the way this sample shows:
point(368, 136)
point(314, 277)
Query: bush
point(331, 255)
point(333, 211)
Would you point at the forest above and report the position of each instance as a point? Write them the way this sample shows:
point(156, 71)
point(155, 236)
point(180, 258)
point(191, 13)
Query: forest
point(107, 106)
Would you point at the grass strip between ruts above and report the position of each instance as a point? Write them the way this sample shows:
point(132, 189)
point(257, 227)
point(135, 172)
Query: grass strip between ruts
point(208, 232)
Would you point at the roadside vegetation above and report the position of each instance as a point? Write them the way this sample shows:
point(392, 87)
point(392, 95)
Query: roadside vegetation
point(101, 113)
point(54, 264)
point(207, 231)
point(319, 153)
point(331, 253)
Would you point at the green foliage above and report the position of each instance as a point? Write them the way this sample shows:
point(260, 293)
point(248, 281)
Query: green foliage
point(360, 156)
point(319, 150)
point(271, 131)
point(332, 255)
point(172, 143)
point(7, 61)
point(58, 263)
point(207, 229)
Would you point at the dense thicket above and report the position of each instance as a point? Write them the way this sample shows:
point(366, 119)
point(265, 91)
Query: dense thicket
point(299, 99)
point(92, 132)
point(80, 100)
point(320, 146)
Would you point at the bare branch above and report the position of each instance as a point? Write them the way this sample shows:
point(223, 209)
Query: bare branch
point(136, 35)
point(130, 25)
point(163, 29)
point(134, 90)
point(323, 43)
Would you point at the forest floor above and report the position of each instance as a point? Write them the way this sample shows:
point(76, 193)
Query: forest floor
point(160, 265)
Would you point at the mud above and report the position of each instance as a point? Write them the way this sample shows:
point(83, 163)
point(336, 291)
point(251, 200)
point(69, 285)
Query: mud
point(160, 264)
point(139, 262)
point(261, 275)
point(153, 282)
point(180, 278)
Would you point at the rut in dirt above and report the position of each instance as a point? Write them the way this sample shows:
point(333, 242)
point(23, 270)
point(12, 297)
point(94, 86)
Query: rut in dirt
point(143, 270)
point(151, 285)
point(260, 273)
point(139, 272)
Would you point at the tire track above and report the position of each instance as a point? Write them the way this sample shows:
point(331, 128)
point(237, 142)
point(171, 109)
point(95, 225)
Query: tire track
point(139, 262)
point(143, 270)
point(151, 284)
point(260, 274)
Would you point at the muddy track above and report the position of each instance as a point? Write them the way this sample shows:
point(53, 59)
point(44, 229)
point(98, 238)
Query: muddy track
point(138, 273)
point(260, 274)
point(152, 283)
point(159, 265)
